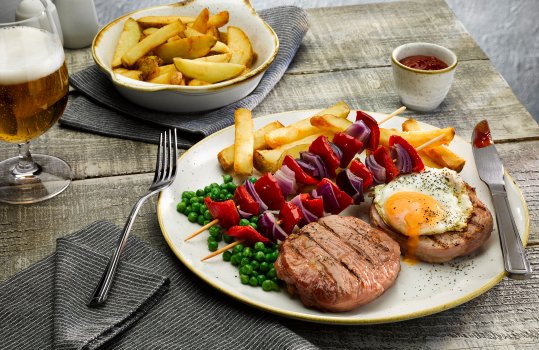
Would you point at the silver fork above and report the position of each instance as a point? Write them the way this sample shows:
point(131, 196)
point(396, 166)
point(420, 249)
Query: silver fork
point(165, 172)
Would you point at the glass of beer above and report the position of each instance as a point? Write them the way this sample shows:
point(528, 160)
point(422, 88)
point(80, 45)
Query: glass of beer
point(33, 94)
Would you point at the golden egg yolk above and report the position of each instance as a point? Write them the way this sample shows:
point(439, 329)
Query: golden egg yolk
point(408, 212)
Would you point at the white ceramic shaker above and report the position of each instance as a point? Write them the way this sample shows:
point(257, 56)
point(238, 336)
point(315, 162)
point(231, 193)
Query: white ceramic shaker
point(79, 22)
point(28, 9)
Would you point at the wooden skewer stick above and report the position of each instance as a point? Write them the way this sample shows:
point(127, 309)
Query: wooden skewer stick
point(202, 229)
point(222, 250)
point(397, 112)
point(430, 142)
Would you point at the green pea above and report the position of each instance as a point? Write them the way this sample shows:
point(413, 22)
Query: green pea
point(244, 222)
point(260, 256)
point(247, 252)
point(268, 257)
point(229, 196)
point(254, 219)
point(206, 222)
point(244, 261)
point(227, 178)
point(187, 194)
point(188, 209)
point(235, 259)
point(211, 239)
point(200, 192)
point(246, 269)
point(255, 264)
point(214, 233)
point(244, 279)
point(227, 238)
point(252, 179)
point(214, 185)
point(181, 207)
point(212, 246)
point(271, 273)
point(227, 256)
point(268, 285)
point(214, 230)
point(200, 220)
point(253, 225)
point(221, 197)
point(195, 207)
point(224, 192)
point(259, 246)
point(261, 279)
point(253, 281)
point(264, 267)
point(201, 199)
point(238, 248)
point(192, 217)
point(231, 187)
point(274, 256)
point(219, 237)
point(193, 200)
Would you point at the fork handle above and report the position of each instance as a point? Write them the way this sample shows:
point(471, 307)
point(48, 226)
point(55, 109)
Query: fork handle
point(102, 289)
point(515, 261)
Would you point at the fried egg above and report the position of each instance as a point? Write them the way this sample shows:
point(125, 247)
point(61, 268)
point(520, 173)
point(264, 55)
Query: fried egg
point(432, 202)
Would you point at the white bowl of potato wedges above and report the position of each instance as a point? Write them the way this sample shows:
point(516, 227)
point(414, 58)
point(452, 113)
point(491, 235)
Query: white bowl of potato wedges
point(189, 56)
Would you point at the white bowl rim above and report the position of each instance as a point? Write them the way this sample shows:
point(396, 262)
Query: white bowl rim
point(183, 88)
point(438, 71)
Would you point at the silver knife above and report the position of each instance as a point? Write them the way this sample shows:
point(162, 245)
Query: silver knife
point(491, 171)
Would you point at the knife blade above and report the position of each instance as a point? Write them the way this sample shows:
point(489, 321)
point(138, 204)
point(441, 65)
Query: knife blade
point(490, 168)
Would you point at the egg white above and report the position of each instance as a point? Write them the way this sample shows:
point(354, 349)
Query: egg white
point(443, 185)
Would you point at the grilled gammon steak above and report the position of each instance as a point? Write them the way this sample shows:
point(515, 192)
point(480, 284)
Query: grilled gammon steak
point(338, 263)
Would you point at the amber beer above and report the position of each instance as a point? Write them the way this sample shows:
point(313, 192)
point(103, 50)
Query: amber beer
point(33, 83)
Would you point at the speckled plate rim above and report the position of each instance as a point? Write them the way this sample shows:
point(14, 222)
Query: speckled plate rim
point(331, 320)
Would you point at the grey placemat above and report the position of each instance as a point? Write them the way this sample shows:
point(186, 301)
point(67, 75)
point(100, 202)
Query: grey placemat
point(101, 109)
point(155, 303)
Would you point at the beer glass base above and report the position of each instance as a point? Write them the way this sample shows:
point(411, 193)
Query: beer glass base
point(54, 177)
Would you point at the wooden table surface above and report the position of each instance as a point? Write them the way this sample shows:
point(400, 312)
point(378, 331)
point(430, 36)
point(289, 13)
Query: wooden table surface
point(345, 56)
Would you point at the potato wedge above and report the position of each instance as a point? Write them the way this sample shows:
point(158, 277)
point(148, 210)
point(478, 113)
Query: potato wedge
point(411, 125)
point(218, 20)
point(161, 21)
point(243, 142)
point(201, 22)
point(212, 31)
point(330, 122)
point(223, 36)
point(170, 77)
point(303, 128)
point(151, 42)
point(267, 160)
point(196, 82)
point(129, 37)
point(150, 30)
point(133, 74)
point(189, 32)
point(224, 57)
point(226, 156)
point(220, 48)
point(428, 162)
point(193, 47)
point(240, 46)
point(212, 72)
point(417, 138)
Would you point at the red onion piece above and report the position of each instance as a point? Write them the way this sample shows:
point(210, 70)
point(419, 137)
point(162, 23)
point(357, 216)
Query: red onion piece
point(244, 214)
point(286, 178)
point(308, 216)
point(271, 228)
point(404, 161)
point(359, 130)
point(378, 171)
point(331, 203)
point(251, 189)
point(336, 150)
point(317, 162)
point(351, 184)
point(308, 167)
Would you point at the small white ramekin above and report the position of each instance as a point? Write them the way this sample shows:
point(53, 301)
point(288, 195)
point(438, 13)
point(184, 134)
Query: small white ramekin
point(423, 90)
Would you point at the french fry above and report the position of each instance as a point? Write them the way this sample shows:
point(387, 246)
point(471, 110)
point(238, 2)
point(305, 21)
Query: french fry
point(303, 128)
point(151, 42)
point(417, 138)
point(161, 21)
point(218, 20)
point(224, 57)
point(196, 82)
point(189, 32)
point(150, 30)
point(223, 36)
point(240, 46)
point(226, 156)
point(129, 37)
point(211, 72)
point(244, 142)
point(213, 32)
point(133, 74)
point(201, 22)
point(267, 160)
point(330, 123)
point(170, 77)
point(193, 47)
point(220, 48)
point(437, 156)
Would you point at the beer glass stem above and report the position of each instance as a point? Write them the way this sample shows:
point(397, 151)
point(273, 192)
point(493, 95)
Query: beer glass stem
point(26, 165)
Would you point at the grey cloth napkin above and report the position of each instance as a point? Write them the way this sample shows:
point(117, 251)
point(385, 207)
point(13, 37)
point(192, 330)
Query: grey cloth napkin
point(99, 108)
point(155, 303)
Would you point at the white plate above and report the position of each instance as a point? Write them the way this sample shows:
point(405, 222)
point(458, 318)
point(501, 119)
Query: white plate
point(420, 290)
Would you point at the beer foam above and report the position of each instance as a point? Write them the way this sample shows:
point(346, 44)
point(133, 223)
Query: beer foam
point(28, 54)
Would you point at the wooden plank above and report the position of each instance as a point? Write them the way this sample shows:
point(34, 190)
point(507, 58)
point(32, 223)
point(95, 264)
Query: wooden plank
point(360, 36)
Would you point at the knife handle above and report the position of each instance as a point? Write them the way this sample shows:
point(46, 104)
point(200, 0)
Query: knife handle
point(515, 261)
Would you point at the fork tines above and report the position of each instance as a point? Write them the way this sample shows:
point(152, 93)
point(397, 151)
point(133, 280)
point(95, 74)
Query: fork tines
point(167, 155)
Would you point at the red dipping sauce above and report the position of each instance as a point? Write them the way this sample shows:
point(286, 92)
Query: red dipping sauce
point(424, 62)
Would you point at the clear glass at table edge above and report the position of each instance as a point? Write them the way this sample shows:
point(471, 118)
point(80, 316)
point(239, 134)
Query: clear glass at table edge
point(33, 95)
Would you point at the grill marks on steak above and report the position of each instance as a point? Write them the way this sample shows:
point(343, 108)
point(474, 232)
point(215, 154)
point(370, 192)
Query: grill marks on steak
point(449, 245)
point(338, 263)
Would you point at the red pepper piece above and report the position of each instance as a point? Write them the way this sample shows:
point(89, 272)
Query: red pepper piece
point(245, 201)
point(269, 191)
point(418, 165)
point(225, 212)
point(290, 215)
point(314, 205)
point(349, 146)
point(382, 157)
point(322, 148)
point(343, 198)
point(360, 170)
point(247, 233)
point(374, 138)
point(301, 175)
